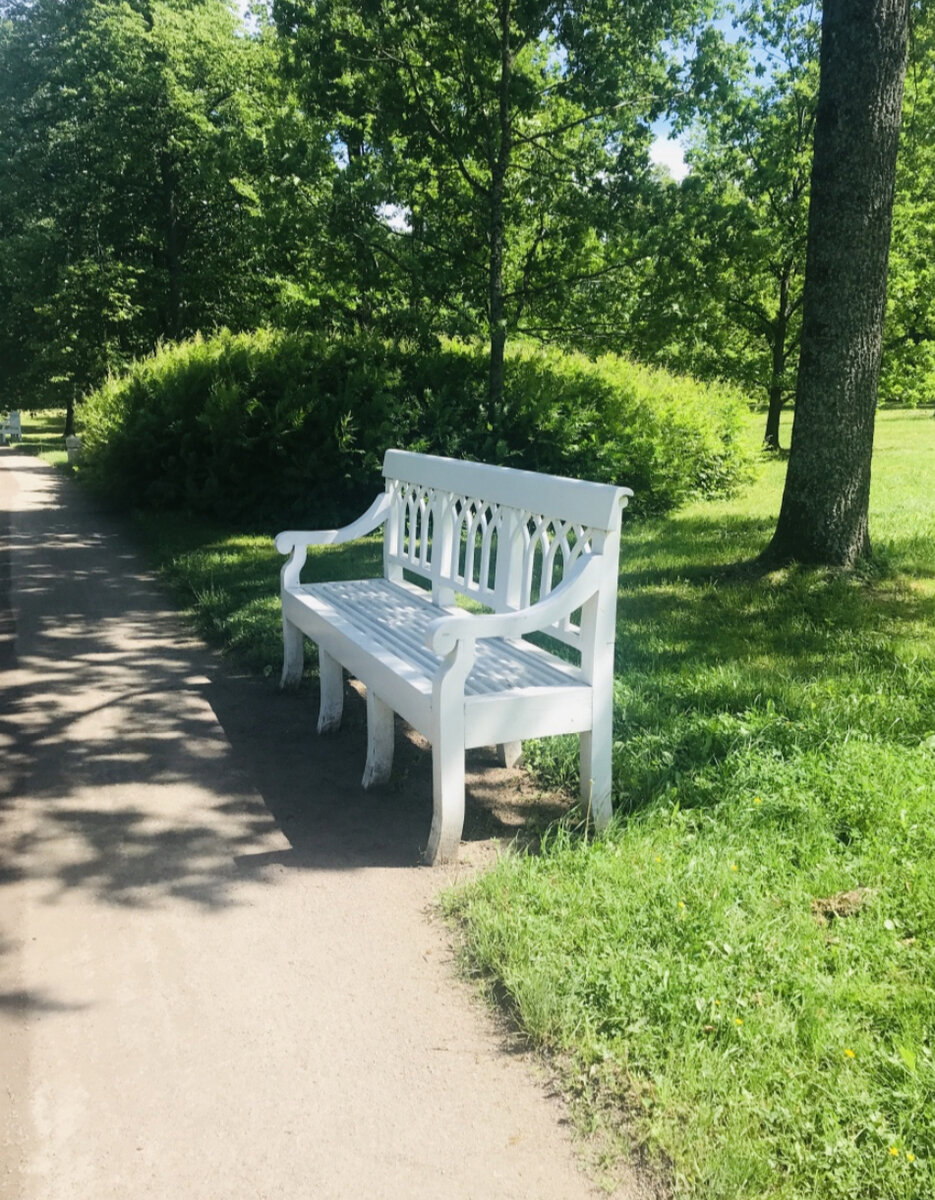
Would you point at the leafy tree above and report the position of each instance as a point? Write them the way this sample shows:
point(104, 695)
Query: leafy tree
point(724, 259)
point(824, 515)
point(140, 143)
point(493, 130)
point(908, 367)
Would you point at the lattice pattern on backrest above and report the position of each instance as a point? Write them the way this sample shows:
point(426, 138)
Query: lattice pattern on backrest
point(503, 557)
point(410, 526)
point(551, 547)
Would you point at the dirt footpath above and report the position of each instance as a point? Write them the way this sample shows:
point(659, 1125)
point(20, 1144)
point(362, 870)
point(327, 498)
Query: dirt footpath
point(220, 976)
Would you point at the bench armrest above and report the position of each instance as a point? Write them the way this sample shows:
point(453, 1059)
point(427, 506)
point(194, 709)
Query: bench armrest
point(296, 542)
point(571, 593)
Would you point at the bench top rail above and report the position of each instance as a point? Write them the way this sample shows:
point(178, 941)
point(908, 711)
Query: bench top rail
point(594, 504)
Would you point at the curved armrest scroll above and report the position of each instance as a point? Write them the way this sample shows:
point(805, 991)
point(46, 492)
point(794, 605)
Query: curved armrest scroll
point(375, 515)
point(296, 542)
point(571, 593)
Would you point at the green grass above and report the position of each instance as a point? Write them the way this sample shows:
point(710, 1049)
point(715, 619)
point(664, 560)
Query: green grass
point(744, 965)
point(44, 436)
point(740, 975)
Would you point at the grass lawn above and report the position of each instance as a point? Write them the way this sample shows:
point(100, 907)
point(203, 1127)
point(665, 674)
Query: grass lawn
point(43, 435)
point(741, 973)
point(745, 965)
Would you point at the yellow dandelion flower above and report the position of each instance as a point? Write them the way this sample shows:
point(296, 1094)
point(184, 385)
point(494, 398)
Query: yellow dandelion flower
point(894, 1151)
point(738, 1020)
point(734, 867)
point(681, 904)
point(658, 859)
point(850, 1053)
point(910, 1157)
point(757, 800)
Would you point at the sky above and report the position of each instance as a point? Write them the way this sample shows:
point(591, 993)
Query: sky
point(667, 152)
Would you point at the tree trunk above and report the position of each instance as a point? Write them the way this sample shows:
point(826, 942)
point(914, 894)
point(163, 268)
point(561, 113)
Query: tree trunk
point(499, 167)
point(823, 519)
point(780, 333)
point(69, 415)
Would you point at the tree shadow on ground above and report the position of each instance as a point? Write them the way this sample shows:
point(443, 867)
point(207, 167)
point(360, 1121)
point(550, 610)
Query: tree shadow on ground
point(139, 769)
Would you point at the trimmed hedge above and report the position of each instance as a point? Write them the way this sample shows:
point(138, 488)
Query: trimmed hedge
point(281, 426)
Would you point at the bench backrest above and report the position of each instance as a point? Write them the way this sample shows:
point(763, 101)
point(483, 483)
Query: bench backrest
point(501, 536)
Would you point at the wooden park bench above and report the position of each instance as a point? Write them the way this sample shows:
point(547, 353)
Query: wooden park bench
point(539, 553)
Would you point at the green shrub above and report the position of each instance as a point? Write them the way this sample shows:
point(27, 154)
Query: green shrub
point(281, 426)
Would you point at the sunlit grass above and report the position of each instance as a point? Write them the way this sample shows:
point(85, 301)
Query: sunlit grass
point(745, 964)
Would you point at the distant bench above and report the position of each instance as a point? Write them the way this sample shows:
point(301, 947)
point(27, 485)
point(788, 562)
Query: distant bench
point(540, 552)
point(11, 429)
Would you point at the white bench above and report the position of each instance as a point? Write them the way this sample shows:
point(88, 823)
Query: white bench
point(540, 553)
point(11, 429)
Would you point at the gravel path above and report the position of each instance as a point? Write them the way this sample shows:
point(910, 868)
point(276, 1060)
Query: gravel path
point(219, 973)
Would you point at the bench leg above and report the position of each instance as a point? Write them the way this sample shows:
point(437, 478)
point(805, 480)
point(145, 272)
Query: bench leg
point(448, 800)
point(448, 755)
point(293, 654)
point(511, 753)
point(331, 679)
point(596, 775)
point(381, 737)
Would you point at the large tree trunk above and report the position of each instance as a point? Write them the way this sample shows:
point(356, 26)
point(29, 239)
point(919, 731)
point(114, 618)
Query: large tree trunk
point(863, 62)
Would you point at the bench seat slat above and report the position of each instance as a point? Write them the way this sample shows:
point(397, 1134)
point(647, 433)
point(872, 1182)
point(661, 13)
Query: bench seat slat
point(397, 618)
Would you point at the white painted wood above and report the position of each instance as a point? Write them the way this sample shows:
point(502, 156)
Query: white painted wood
point(510, 753)
point(537, 551)
point(448, 755)
point(581, 585)
point(574, 499)
point(293, 656)
point(11, 428)
point(381, 738)
point(297, 542)
point(331, 682)
point(518, 715)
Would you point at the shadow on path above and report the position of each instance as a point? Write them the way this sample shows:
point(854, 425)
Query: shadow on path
point(135, 763)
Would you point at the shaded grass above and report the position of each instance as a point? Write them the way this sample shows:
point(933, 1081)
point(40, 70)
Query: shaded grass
point(741, 973)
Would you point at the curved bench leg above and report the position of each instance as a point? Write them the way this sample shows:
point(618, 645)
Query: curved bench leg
point(596, 776)
point(511, 753)
point(381, 737)
point(293, 654)
point(447, 799)
point(331, 678)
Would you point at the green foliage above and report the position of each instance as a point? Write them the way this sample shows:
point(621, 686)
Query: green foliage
point(727, 253)
point(503, 137)
point(156, 178)
point(908, 369)
point(294, 427)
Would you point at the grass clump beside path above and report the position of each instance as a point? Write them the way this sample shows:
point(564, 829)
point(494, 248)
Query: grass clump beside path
point(745, 964)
